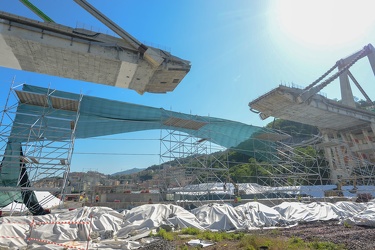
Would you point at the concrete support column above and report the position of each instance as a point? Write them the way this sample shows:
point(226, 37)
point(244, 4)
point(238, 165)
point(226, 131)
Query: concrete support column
point(328, 155)
point(335, 157)
point(370, 145)
point(354, 141)
point(372, 154)
point(368, 139)
point(346, 91)
point(346, 151)
point(339, 152)
point(357, 150)
point(373, 127)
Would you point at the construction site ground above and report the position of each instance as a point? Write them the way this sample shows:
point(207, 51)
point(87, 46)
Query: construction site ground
point(352, 237)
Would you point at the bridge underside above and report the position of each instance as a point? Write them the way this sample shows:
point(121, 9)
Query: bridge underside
point(319, 111)
point(81, 54)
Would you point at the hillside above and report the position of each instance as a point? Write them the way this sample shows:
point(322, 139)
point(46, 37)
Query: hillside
point(129, 171)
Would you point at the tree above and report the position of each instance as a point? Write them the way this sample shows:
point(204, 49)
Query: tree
point(145, 176)
point(313, 162)
point(293, 128)
point(249, 172)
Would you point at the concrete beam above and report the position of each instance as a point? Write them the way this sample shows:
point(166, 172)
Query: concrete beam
point(319, 111)
point(80, 54)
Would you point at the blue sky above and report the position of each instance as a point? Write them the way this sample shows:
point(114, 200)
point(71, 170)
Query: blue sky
point(239, 50)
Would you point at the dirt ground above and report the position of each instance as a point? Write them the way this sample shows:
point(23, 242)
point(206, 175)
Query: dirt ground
point(352, 237)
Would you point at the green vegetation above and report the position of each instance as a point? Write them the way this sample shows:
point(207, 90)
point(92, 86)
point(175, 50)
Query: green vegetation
point(324, 245)
point(246, 169)
point(240, 240)
point(190, 231)
point(250, 242)
point(293, 128)
point(144, 176)
point(347, 225)
point(165, 235)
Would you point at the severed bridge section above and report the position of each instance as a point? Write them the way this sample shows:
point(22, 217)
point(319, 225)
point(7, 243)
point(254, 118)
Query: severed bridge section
point(347, 132)
point(54, 49)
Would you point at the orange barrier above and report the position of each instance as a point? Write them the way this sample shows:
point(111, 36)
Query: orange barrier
point(54, 243)
point(48, 222)
point(11, 237)
point(62, 222)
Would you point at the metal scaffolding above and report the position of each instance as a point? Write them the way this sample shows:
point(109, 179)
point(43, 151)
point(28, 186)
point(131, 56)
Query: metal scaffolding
point(351, 157)
point(193, 169)
point(192, 166)
point(46, 160)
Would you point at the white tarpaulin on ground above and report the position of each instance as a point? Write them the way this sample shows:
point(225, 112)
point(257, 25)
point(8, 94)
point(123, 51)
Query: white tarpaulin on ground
point(316, 191)
point(104, 228)
point(348, 209)
point(151, 216)
point(295, 211)
point(46, 199)
point(366, 217)
point(258, 215)
point(218, 217)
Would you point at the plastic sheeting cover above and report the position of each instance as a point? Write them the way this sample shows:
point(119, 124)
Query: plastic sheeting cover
point(109, 229)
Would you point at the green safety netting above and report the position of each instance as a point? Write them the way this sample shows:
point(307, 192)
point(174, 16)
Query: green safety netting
point(100, 117)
